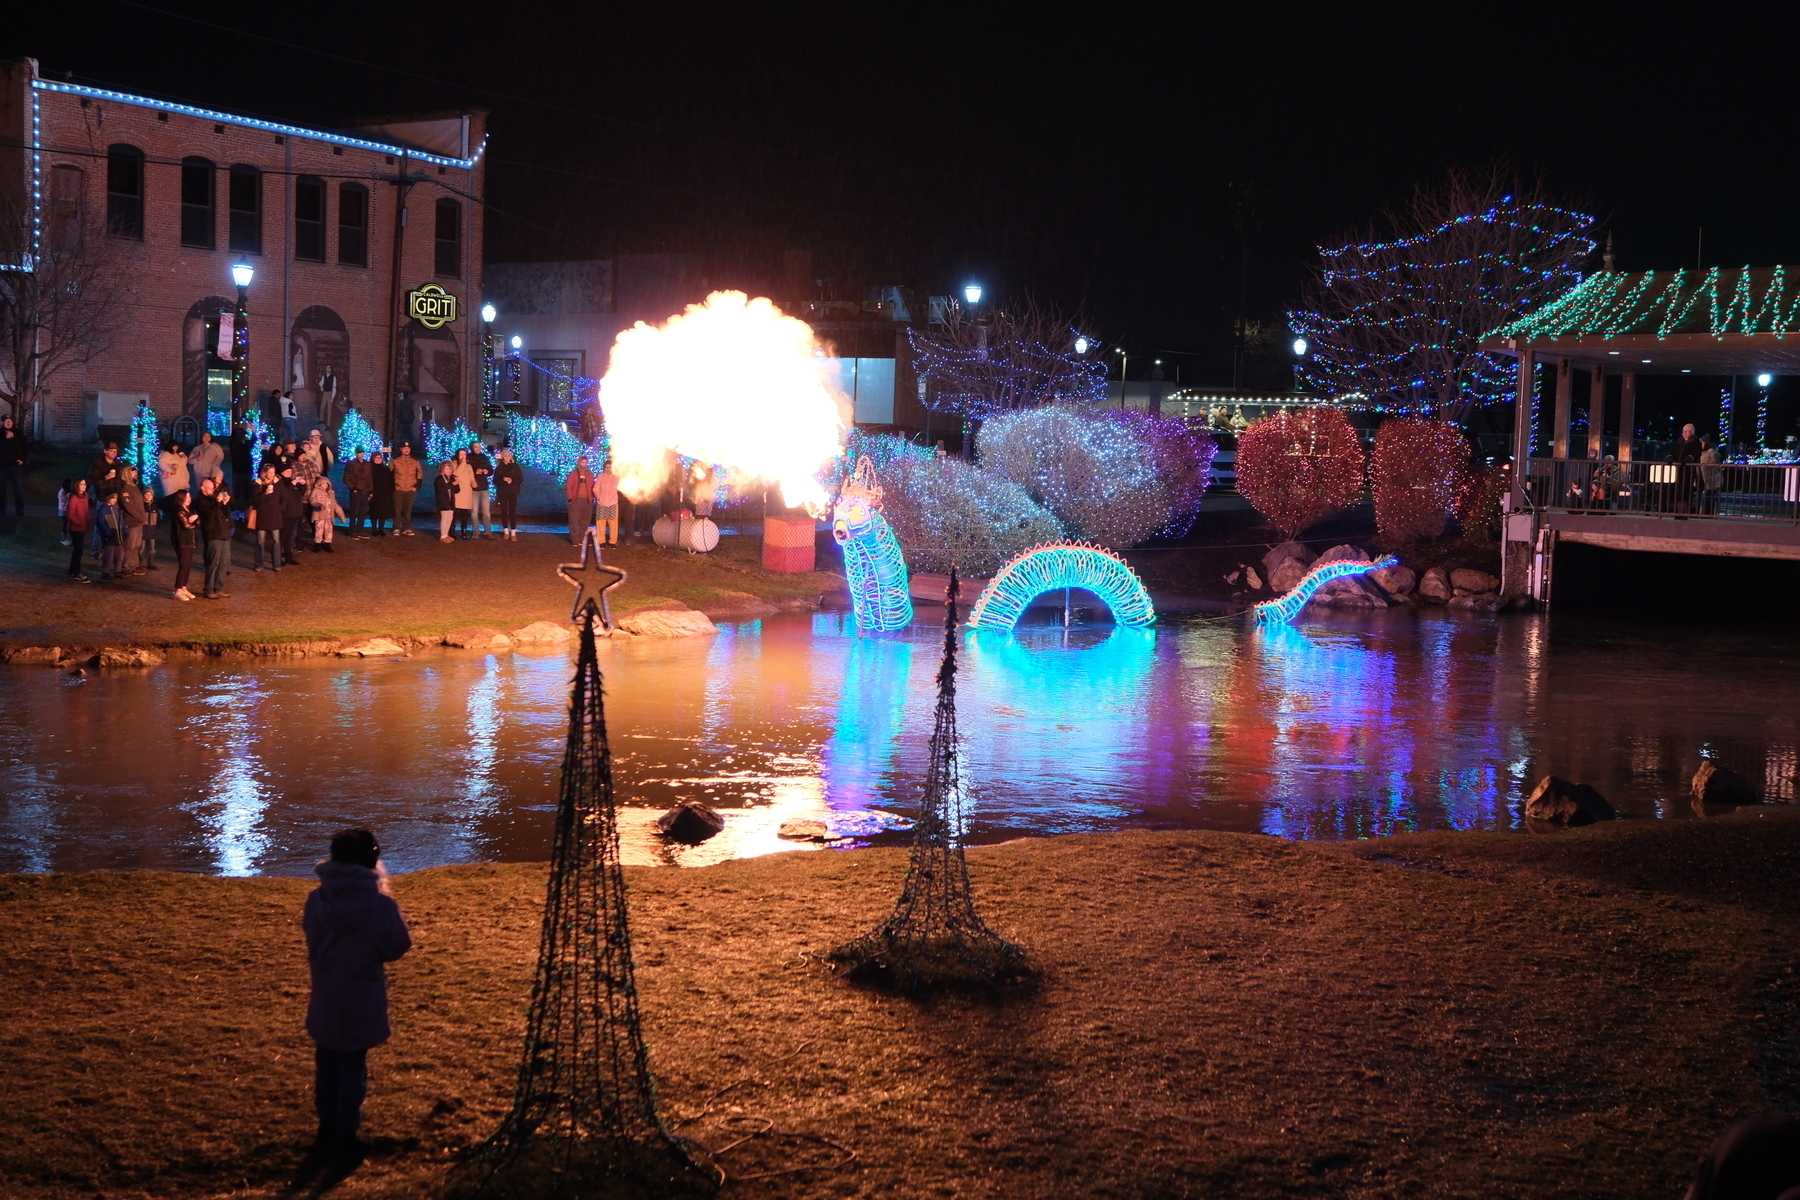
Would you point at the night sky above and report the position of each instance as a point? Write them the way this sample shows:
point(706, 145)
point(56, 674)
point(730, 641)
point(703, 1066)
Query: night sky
point(1088, 155)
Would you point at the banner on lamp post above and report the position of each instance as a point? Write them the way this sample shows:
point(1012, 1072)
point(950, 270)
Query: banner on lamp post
point(227, 347)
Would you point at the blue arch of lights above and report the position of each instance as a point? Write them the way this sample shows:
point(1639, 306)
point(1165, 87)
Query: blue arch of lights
point(1285, 608)
point(873, 563)
point(1056, 565)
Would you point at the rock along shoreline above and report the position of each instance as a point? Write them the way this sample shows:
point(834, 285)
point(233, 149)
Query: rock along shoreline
point(662, 622)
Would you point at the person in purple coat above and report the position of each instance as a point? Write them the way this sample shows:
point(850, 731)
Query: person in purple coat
point(352, 927)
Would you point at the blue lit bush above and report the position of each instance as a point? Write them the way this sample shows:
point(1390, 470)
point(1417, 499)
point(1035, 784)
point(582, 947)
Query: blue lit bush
point(946, 512)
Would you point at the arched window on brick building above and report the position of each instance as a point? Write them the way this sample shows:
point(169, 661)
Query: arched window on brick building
point(309, 218)
point(199, 216)
point(449, 238)
point(125, 191)
point(353, 224)
point(66, 184)
point(246, 209)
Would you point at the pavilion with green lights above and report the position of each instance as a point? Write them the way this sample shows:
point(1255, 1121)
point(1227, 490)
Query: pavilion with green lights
point(1721, 321)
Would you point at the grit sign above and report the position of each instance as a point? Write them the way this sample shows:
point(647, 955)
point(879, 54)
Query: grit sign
point(431, 306)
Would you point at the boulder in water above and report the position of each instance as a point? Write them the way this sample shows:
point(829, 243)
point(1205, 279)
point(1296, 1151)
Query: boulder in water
point(664, 623)
point(1715, 783)
point(1434, 586)
point(803, 829)
point(1467, 579)
point(689, 822)
point(1558, 803)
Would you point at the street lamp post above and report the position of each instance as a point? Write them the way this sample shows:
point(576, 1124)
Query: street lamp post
point(518, 347)
point(1124, 365)
point(1762, 409)
point(1299, 356)
point(241, 274)
point(489, 379)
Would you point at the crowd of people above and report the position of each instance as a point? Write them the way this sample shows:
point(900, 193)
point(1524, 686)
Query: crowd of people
point(289, 504)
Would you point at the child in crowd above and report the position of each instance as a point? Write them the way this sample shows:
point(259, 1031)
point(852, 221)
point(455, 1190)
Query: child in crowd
point(325, 510)
point(75, 525)
point(62, 507)
point(152, 522)
point(112, 536)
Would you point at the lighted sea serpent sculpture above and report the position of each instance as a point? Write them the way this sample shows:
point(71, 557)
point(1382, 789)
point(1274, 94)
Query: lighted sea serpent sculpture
point(1285, 608)
point(1056, 565)
point(873, 563)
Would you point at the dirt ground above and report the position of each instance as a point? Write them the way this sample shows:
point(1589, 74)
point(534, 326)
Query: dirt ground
point(413, 586)
point(1446, 1014)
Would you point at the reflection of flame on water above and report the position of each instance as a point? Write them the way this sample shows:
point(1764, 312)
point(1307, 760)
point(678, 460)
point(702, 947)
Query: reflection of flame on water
point(732, 382)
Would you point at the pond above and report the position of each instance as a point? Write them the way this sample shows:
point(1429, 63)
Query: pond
point(1342, 726)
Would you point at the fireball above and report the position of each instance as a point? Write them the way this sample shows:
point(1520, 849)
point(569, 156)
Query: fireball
point(733, 382)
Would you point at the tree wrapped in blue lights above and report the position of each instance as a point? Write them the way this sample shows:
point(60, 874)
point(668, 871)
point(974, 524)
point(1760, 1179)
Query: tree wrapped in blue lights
point(1096, 475)
point(355, 433)
point(978, 364)
point(140, 444)
point(881, 449)
point(441, 444)
point(546, 444)
point(1401, 319)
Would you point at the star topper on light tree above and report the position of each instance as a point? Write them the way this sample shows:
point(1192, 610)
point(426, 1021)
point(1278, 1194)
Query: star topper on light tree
point(591, 579)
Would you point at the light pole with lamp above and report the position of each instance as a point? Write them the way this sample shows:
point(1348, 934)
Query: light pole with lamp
point(1762, 409)
point(489, 382)
point(1299, 356)
point(241, 274)
point(518, 346)
point(1124, 365)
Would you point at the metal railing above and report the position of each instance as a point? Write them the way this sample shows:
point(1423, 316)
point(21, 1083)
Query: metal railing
point(1725, 491)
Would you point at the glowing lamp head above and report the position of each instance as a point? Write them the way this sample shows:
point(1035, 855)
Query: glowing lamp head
point(1299, 347)
point(488, 313)
point(1082, 345)
point(242, 272)
point(972, 293)
point(1764, 380)
point(518, 343)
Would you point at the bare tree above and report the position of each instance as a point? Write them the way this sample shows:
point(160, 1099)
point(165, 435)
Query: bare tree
point(982, 363)
point(1398, 316)
point(65, 297)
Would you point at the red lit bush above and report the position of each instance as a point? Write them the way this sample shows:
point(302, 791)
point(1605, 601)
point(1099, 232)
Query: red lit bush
point(1296, 468)
point(1417, 472)
point(1478, 503)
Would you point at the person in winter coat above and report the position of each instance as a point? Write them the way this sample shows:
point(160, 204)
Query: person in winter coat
point(184, 532)
point(268, 516)
point(509, 479)
point(445, 486)
point(214, 509)
point(325, 512)
point(465, 492)
point(79, 516)
point(243, 450)
point(481, 518)
point(353, 929)
point(207, 461)
point(409, 473)
point(12, 464)
point(359, 479)
point(111, 524)
point(131, 504)
point(579, 489)
point(152, 524)
point(172, 467)
point(381, 494)
point(294, 512)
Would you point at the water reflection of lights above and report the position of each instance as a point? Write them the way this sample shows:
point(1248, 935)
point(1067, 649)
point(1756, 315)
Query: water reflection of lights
point(233, 801)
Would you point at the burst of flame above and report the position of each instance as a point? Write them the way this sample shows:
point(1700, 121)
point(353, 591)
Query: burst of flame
point(732, 381)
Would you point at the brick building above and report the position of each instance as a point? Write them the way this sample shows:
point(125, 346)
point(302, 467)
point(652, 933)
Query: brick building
point(365, 243)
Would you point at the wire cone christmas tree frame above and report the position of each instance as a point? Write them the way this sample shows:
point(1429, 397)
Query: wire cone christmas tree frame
point(584, 1120)
point(935, 938)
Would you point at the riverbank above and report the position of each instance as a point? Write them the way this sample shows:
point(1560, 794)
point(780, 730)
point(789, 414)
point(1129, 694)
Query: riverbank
point(412, 590)
point(1439, 1014)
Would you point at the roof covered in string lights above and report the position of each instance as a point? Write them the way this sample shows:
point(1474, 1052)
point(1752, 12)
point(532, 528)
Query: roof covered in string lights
point(1721, 321)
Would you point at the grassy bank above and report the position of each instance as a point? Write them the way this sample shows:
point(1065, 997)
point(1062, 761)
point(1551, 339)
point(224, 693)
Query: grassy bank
point(1447, 1015)
point(409, 586)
